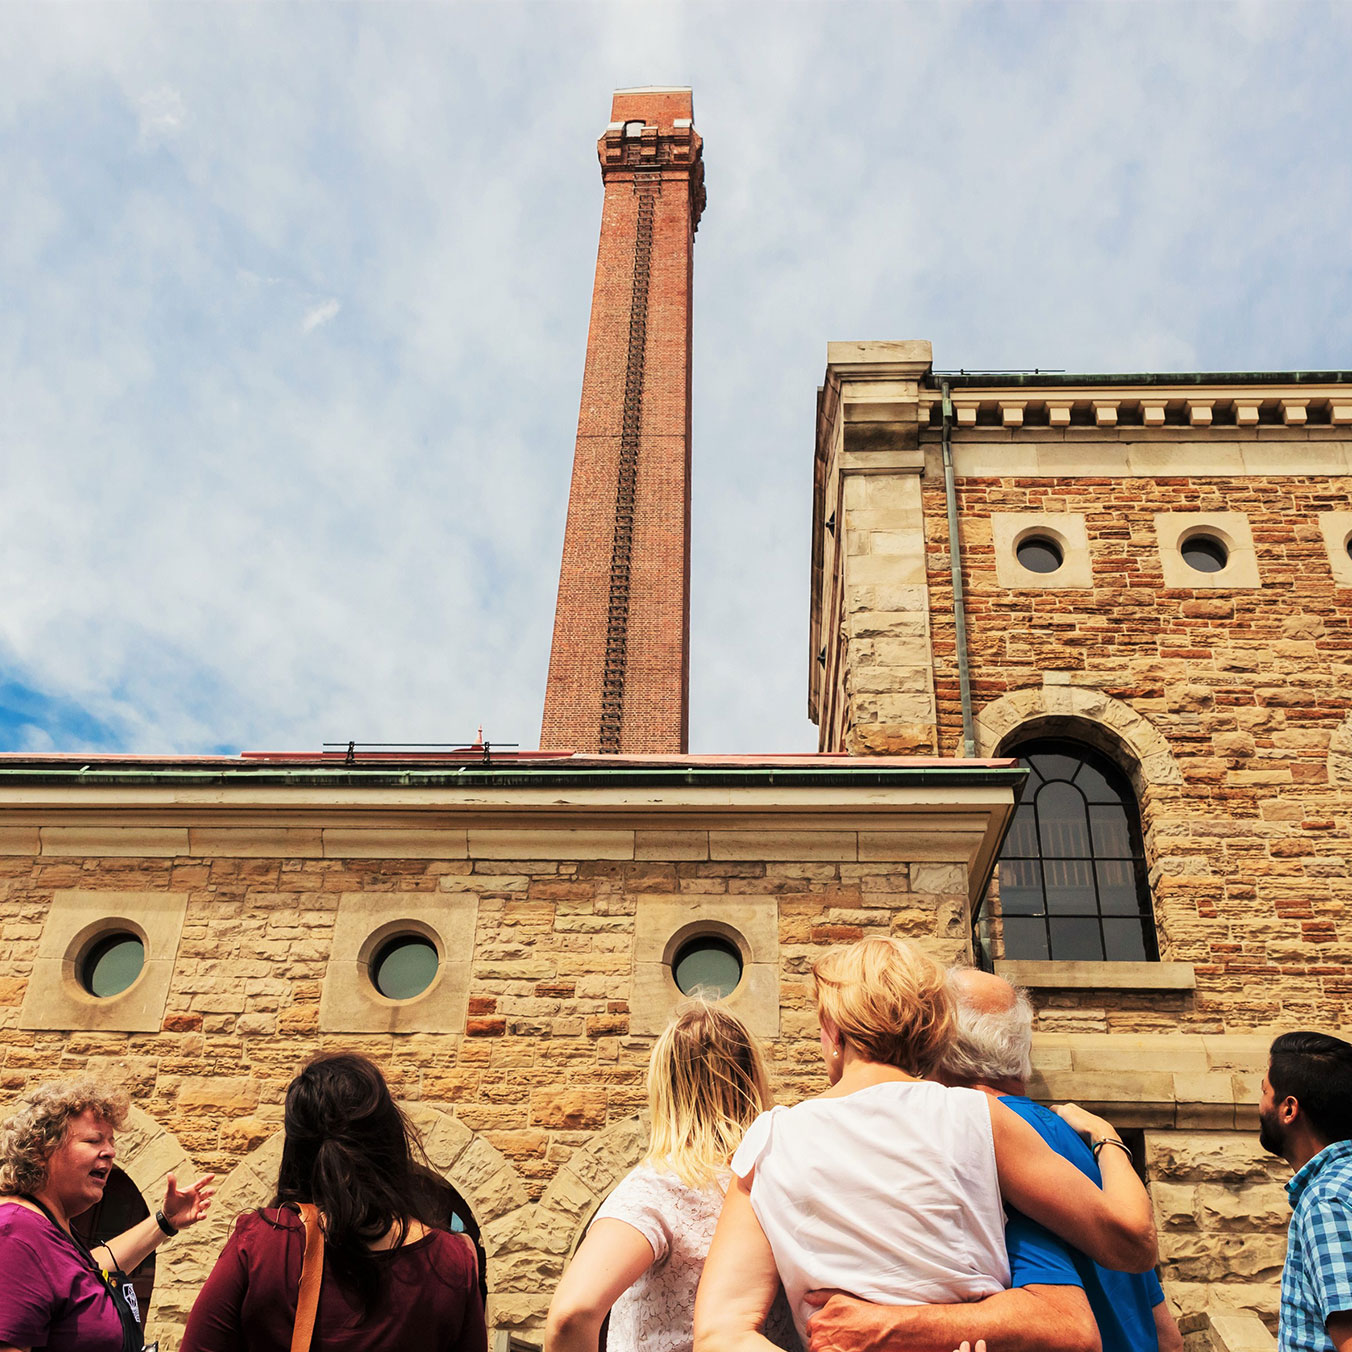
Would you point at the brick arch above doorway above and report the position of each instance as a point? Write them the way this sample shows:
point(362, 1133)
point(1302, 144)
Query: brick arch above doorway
point(1146, 744)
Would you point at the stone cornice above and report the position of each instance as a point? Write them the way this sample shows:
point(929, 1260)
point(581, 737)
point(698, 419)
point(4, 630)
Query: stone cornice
point(865, 824)
point(1187, 406)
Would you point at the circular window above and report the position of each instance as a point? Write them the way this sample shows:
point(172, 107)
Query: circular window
point(708, 964)
point(1039, 554)
point(404, 967)
point(1347, 545)
point(111, 964)
point(1205, 553)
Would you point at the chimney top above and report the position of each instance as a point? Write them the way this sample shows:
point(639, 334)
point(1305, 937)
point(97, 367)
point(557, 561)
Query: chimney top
point(660, 106)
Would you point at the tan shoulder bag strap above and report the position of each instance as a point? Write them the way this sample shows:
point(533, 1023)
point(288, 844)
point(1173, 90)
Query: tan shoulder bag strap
point(311, 1274)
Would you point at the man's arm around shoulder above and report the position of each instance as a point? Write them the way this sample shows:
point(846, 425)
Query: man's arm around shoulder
point(1026, 1319)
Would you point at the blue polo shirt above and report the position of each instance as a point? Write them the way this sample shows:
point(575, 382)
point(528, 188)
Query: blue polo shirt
point(1123, 1303)
point(1317, 1278)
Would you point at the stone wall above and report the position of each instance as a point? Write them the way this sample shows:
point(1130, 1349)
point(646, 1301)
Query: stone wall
point(1245, 690)
point(530, 1101)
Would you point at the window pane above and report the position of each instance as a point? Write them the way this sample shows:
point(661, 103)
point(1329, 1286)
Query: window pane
point(1022, 838)
point(112, 965)
point(1025, 938)
point(1074, 849)
point(1053, 766)
point(1118, 894)
point(1062, 822)
point(1125, 940)
point(1109, 826)
point(1070, 887)
point(1076, 941)
point(1020, 887)
point(405, 968)
point(1095, 786)
point(707, 964)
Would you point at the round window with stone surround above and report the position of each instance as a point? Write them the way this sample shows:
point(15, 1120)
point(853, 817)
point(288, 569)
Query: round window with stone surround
point(111, 963)
point(404, 966)
point(1039, 554)
point(707, 964)
point(1204, 552)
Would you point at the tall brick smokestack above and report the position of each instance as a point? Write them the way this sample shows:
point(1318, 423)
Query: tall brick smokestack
point(619, 667)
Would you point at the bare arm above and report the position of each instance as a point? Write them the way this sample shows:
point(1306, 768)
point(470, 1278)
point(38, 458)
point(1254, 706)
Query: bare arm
point(740, 1280)
point(1166, 1329)
point(1114, 1224)
point(181, 1208)
point(607, 1263)
point(1339, 1328)
point(1027, 1319)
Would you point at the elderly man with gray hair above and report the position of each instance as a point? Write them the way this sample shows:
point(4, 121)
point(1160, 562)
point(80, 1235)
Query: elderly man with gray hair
point(993, 1053)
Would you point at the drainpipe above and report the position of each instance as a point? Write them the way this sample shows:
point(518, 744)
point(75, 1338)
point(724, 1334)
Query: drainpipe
point(955, 564)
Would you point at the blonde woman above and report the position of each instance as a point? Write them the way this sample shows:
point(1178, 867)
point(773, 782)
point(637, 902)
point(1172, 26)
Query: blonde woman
point(643, 1254)
point(890, 1186)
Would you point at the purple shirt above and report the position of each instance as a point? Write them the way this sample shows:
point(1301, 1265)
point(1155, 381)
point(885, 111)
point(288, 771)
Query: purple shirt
point(52, 1298)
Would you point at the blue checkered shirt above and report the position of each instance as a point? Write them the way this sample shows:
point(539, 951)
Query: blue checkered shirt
point(1317, 1278)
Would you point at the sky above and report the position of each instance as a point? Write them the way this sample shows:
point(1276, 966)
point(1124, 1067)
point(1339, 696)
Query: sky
point(294, 301)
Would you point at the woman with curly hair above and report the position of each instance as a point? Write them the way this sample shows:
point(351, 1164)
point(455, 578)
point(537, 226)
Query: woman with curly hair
point(392, 1279)
point(56, 1155)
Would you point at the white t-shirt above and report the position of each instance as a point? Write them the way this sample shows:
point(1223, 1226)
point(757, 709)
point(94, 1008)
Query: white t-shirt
point(656, 1314)
point(890, 1193)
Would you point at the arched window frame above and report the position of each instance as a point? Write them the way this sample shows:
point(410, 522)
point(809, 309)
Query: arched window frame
point(1016, 850)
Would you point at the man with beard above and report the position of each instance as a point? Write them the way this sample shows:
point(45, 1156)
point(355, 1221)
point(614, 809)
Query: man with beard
point(1305, 1116)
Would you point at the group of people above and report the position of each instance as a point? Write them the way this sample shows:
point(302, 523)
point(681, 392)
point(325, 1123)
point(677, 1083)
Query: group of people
point(920, 1202)
point(389, 1271)
point(872, 1217)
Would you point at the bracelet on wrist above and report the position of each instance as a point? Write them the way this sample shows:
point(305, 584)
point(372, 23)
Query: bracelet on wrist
point(166, 1225)
point(1101, 1141)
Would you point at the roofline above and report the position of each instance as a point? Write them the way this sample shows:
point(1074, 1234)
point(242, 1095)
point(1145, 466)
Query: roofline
point(935, 380)
point(846, 773)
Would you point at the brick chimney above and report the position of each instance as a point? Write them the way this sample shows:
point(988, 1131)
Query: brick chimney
point(619, 666)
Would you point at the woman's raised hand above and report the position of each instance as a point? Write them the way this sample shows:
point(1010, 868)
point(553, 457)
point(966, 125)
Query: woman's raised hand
point(187, 1206)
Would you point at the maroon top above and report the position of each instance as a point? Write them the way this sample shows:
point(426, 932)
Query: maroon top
point(429, 1298)
point(52, 1298)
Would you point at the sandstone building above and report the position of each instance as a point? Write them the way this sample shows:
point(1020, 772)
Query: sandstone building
point(1140, 585)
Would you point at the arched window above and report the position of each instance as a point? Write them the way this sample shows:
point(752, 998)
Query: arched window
point(1072, 872)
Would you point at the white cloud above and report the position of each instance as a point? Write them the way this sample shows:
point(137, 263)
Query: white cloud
point(211, 533)
point(319, 314)
point(161, 114)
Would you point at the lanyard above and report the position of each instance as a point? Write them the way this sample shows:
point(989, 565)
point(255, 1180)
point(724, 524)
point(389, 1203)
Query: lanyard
point(116, 1283)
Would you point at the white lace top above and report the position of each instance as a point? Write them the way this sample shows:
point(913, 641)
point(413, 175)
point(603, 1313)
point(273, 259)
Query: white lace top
point(656, 1314)
point(890, 1193)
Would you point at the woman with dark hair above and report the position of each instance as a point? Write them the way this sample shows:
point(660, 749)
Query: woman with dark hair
point(391, 1278)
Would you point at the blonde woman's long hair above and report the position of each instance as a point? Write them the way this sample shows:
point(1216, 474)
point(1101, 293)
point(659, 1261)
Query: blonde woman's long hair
point(706, 1085)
